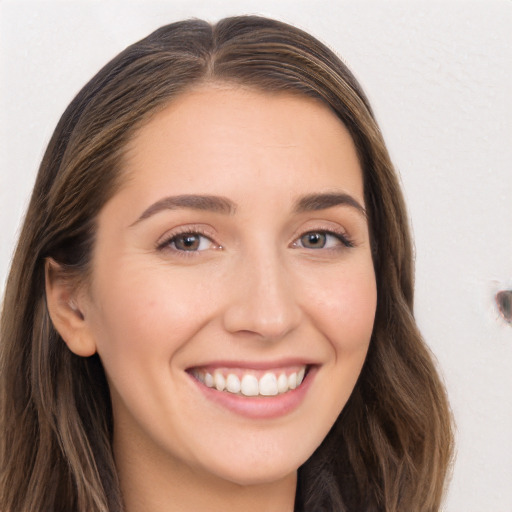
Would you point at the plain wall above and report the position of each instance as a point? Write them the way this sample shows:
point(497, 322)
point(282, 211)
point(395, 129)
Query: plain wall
point(438, 76)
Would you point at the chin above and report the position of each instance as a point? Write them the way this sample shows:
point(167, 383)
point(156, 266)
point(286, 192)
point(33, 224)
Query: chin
point(262, 466)
point(255, 476)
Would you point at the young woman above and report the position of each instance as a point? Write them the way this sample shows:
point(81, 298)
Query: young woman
point(211, 303)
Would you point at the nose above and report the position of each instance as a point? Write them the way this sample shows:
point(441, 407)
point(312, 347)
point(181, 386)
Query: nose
point(263, 299)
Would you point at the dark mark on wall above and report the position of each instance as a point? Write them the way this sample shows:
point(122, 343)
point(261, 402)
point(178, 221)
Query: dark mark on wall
point(504, 301)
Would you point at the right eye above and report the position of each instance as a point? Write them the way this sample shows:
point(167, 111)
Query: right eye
point(187, 242)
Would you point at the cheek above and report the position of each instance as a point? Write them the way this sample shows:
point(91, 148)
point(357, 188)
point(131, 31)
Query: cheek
point(344, 307)
point(148, 313)
point(343, 310)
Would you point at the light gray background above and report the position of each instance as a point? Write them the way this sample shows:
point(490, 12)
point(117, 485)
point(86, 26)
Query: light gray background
point(438, 75)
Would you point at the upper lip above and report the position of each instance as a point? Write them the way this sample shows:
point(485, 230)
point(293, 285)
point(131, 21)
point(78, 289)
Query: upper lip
point(255, 365)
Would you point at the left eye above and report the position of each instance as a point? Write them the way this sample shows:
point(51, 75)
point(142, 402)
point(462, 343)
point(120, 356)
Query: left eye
point(190, 242)
point(320, 240)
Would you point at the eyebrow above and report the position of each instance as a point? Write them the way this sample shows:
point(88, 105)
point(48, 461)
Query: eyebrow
point(214, 204)
point(313, 202)
point(218, 204)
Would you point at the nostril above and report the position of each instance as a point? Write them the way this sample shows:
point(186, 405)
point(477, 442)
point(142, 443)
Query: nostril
point(504, 302)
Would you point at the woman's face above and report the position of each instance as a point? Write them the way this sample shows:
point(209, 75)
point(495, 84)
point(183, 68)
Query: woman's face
point(233, 292)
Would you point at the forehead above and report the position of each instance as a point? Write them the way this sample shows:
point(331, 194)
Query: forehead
point(216, 135)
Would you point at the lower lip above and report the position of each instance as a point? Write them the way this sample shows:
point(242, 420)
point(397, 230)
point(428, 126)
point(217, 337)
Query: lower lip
point(260, 407)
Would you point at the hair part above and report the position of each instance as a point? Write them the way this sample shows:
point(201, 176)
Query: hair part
point(391, 447)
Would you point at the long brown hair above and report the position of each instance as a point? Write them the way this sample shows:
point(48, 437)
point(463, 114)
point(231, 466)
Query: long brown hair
point(391, 446)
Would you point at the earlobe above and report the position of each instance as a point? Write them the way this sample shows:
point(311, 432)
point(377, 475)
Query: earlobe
point(63, 300)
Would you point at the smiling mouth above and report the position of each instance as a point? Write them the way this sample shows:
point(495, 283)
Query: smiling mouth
point(251, 383)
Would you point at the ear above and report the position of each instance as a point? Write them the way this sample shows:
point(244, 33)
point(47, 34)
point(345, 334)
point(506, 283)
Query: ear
point(64, 298)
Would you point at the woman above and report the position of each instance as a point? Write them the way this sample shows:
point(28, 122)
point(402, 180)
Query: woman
point(210, 306)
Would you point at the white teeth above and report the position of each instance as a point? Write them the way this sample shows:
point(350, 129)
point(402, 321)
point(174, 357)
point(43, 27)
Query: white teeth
point(233, 383)
point(250, 386)
point(268, 385)
point(300, 376)
point(282, 383)
point(208, 380)
point(220, 382)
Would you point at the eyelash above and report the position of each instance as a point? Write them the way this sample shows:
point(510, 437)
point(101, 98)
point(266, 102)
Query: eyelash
point(164, 245)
